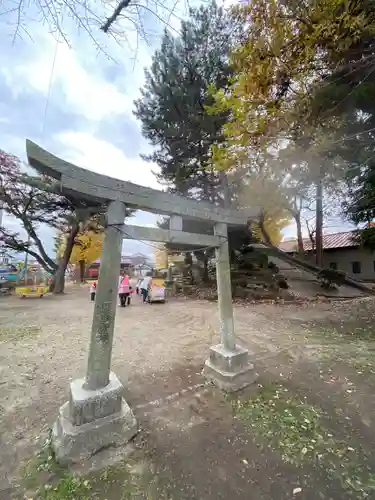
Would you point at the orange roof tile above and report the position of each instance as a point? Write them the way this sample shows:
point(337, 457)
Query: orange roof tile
point(330, 241)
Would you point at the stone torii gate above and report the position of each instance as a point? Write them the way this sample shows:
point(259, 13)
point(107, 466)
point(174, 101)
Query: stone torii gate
point(96, 415)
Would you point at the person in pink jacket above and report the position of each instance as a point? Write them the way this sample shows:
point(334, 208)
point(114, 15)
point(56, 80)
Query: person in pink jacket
point(124, 290)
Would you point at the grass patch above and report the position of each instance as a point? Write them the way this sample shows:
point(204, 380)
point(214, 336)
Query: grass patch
point(132, 478)
point(350, 333)
point(355, 349)
point(117, 482)
point(127, 480)
point(289, 425)
point(11, 333)
point(42, 467)
point(362, 361)
point(69, 487)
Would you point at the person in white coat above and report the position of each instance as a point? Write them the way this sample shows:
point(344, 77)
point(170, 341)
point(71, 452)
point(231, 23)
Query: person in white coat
point(145, 287)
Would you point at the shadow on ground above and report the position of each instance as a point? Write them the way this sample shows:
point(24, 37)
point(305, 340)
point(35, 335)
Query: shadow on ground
point(304, 431)
point(285, 437)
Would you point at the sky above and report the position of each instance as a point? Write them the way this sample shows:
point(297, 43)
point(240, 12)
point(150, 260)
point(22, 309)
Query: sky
point(73, 95)
point(75, 101)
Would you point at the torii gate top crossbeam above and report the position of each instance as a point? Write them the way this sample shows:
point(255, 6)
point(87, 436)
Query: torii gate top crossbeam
point(98, 189)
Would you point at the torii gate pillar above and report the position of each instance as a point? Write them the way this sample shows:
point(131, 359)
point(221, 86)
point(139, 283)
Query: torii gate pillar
point(228, 366)
point(96, 415)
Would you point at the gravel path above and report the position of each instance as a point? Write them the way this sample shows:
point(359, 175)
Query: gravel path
point(157, 350)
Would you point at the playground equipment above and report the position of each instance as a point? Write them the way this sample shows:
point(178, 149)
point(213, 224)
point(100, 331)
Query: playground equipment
point(157, 291)
point(35, 284)
point(9, 276)
point(156, 294)
point(5, 286)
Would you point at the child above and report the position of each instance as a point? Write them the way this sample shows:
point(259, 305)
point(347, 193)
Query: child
point(93, 291)
point(133, 284)
point(138, 286)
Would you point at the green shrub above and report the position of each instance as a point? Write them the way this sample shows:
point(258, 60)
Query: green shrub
point(331, 278)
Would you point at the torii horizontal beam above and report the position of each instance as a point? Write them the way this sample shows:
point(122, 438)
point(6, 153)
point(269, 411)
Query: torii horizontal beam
point(170, 236)
point(96, 188)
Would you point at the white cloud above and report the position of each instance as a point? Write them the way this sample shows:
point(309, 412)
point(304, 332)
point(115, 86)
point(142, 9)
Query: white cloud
point(13, 144)
point(79, 80)
point(95, 83)
point(86, 91)
point(102, 157)
point(289, 232)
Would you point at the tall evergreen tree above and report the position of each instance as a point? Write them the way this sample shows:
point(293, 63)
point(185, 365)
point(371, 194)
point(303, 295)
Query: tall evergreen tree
point(174, 100)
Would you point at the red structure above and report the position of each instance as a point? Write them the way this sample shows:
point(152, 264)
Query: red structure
point(92, 272)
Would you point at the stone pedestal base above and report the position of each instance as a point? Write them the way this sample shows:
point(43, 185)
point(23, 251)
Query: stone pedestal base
point(230, 370)
point(92, 420)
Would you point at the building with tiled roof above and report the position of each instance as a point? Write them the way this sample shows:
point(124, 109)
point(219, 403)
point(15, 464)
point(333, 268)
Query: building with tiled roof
point(340, 251)
point(333, 240)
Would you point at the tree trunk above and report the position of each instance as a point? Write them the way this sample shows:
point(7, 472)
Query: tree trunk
point(225, 189)
point(300, 247)
point(205, 269)
point(82, 268)
point(58, 281)
point(203, 257)
point(319, 224)
point(263, 229)
point(188, 261)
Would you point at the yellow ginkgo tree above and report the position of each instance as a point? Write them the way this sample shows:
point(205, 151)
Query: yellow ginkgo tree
point(257, 186)
point(288, 49)
point(87, 249)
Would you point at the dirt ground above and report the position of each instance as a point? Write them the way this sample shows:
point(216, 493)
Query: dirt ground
point(305, 430)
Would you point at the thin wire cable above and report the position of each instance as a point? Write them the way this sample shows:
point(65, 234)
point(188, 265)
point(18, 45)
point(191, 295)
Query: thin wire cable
point(353, 136)
point(362, 61)
point(353, 90)
point(343, 139)
point(51, 77)
point(191, 249)
point(50, 86)
point(82, 180)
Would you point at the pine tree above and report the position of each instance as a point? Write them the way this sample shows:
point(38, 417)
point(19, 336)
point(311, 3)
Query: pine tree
point(174, 101)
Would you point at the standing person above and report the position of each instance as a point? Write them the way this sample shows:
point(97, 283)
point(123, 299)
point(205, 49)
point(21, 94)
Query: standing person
point(133, 284)
point(93, 291)
point(124, 290)
point(145, 287)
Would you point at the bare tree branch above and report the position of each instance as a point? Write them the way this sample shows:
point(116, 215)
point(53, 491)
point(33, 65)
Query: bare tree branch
point(90, 17)
point(12, 241)
point(113, 18)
